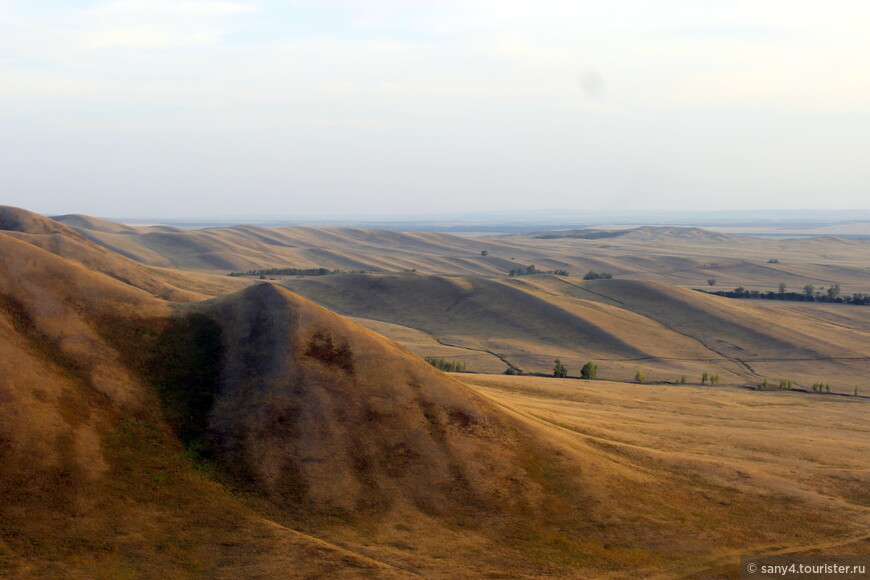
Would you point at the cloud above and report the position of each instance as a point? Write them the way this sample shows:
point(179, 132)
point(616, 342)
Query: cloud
point(154, 25)
point(414, 96)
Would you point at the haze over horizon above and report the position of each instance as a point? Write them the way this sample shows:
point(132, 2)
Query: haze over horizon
point(200, 108)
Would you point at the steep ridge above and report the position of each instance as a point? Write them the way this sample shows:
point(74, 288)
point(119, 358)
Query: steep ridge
point(314, 408)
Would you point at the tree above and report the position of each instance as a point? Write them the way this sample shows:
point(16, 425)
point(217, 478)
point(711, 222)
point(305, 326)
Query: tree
point(782, 287)
point(711, 281)
point(704, 378)
point(714, 379)
point(512, 371)
point(638, 376)
point(484, 253)
point(560, 371)
point(809, 289)
point(682, 380)
point(834, 291)
point(589, 371)
point(446, 365)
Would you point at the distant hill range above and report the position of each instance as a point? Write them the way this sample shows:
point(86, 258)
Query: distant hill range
point(676, 255)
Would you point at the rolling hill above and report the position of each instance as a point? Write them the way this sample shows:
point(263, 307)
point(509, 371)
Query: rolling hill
point(675, 255)
point(249, 432)
point(113, 398)
point(624, 325)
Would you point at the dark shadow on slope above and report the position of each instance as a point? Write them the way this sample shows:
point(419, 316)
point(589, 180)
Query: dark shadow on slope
point(185, 369)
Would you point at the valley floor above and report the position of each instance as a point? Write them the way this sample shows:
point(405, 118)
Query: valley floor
point(805, 449)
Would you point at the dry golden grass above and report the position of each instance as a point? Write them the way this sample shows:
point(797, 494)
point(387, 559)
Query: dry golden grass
point(337, 453)
point(94, 483)
point(747, 472)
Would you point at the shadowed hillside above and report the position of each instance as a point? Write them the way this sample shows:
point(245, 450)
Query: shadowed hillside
point(313, 408)
point(527, 322)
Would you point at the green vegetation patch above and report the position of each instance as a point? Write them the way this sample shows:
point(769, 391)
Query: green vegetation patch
point(185, 368)
point(447, 366)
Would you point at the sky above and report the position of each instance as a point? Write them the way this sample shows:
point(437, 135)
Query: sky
point(158, 108)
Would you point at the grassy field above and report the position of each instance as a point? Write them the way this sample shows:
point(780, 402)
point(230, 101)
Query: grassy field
point(802, 455)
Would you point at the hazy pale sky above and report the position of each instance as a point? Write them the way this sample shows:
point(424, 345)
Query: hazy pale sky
point(197, 108)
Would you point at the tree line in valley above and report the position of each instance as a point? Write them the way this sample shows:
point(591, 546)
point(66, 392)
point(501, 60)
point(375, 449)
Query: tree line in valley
point(809, 294)
point(294, 272)
point(530, 270)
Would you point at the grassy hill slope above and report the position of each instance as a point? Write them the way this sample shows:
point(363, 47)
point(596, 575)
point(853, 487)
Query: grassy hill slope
point(624, 325)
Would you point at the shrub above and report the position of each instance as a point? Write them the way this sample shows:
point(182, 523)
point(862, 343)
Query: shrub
point(592, 275)
point(589, 371)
